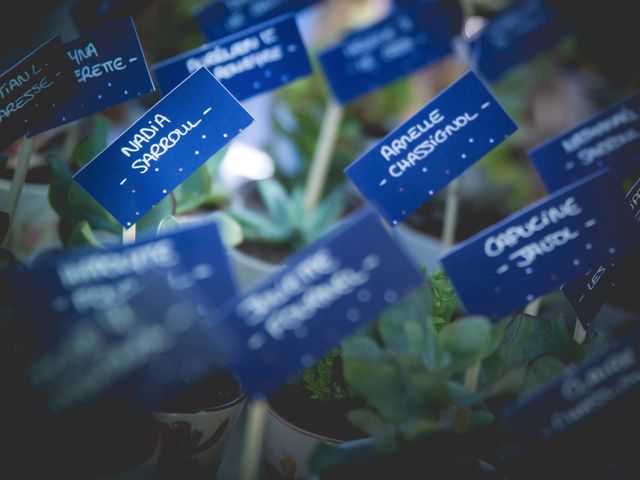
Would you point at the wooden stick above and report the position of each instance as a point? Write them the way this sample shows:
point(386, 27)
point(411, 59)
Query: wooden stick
point(324, 152)
point(253, 437)
point(534, 307)
point(579, 333)
point(19, 176)
point(451, 207)
point(471, 377)
point(129, 235)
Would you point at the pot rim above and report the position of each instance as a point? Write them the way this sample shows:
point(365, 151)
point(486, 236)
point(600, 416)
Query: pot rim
point(241, 397)
point(271, 409)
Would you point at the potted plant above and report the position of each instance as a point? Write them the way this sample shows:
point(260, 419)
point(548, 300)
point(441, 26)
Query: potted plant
point(421, 409)
point(197, 423)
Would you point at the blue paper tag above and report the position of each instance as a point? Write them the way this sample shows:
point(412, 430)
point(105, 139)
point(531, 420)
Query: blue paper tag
point(128, 319)
point(426, 153)
point(393, 48)
point(326, 292)
point(31, 90)
point(252, 62)
point(543, 246)
point(611, 138)
point(110, 68)
point(516, 35)
point(588, 294)
point(580, 394)
point(226, 17)
point(164, 147)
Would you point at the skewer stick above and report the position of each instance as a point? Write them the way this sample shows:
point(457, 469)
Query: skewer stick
point(253, 437)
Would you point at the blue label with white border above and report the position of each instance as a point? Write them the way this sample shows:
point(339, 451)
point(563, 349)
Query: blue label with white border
point(252, 62)
point(515, 36)
point(580, 394)
point(543, 246)
point(164, 147)
point(31, 90)
point(326, 292)
point(426, 153)
point(226, 17)
point(124, 319)
point(393, 48)
point(110, 68)
point(611, 138)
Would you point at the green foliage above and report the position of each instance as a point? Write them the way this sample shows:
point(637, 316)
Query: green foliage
point(285, 220)
point(445, 299)
point(324, 381)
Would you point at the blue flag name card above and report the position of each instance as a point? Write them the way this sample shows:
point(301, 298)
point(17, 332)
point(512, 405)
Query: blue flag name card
point(426, 153)
point(252, 62)
point(393, 48)
point(31, 90)
point(126, 319)
point(515, 36)
point(110, 68)
point(543, 246)
point(326, 292)
point(226, 17)
point(164, 147)
point(588, 294)
point(611, 138)
point(583, 393)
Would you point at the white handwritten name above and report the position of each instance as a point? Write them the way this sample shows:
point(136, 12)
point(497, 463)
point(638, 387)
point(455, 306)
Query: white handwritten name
point(589, 133)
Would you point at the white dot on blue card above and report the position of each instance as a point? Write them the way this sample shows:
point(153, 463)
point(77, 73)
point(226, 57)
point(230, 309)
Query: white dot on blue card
point(588, 246)
point(292, 48)
point(99, 97)
point(109, 84)
point(204, 137)
point(395, 222)
point(576, 262)
point(181, 169)
point(197, 152)
point(463, 156)
point(137, 214)
point(64, 119)
point(425, 169)
point(126, 92)
point(530, 298)
point(430, 192)
point(257, 85)
point(128, 224)
point(390, 296)
point(612, 250)
point(164, 191)
point(491, 140)
point(267, 73)
point(471, 140)
point(447, 172)
point(364, 295)
point(529, 271)
point(133, 191)
point(353, 315)
point(157, 169)
point(225, 135)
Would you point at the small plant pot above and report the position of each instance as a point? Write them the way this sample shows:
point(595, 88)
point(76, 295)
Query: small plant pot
point(195, 437)
point(250, 270)
point(35, 223)
point(423, 249)
point(287, 449)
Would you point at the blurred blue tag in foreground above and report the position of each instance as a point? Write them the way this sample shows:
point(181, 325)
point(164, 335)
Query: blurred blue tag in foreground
point(611, 138)
point(426, 153)
point(595, 386)
point(225, 17)
point(31, 90)
point(326, 292)
point(393, 48)
point(127, 319)
point(539, 248)
point(164, 147)
point(252, 62)
point(515, 36)
point(588, 294)
point(110, 68)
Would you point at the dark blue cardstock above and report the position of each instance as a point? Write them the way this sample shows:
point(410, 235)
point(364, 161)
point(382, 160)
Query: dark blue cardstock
point(393, 48)
point(249, 63)
point(326, 292)
point(226, 17)
point(516, 35)
point(580, 394)
point(426, 153)
point(31, 90)
point(611, 138)
point(110, 68)
point(543, 246)
point(164, 147)
point(127, 319)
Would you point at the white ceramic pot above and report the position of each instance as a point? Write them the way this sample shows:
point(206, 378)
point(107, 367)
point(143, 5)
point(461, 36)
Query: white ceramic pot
point(250, 270)
point(195, 442)
point(35, 224)
point(286, 449)
point(423, 249)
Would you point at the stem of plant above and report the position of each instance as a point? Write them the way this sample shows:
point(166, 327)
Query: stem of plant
point(253, 436)
point(471, 377)
point(19, 176)
point(319, 170)
point(451, 207)
point(129, 235)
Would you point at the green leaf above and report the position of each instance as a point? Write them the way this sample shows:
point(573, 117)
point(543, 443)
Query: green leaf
point(151, 221)
point(361, 348)
point(256, 226)
point(275, 199)
point(82, 235)
point(193, 193)
point(325, 455)
point(542, 371)
point(463, 342)
point(511, 383)
point(168, 225)
point(481, 419)
point(95, 143)
point(414, 428)
point(84, 207)
point(445, 299)
point(230, 230)
point(382, 432)
point(428, 393)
